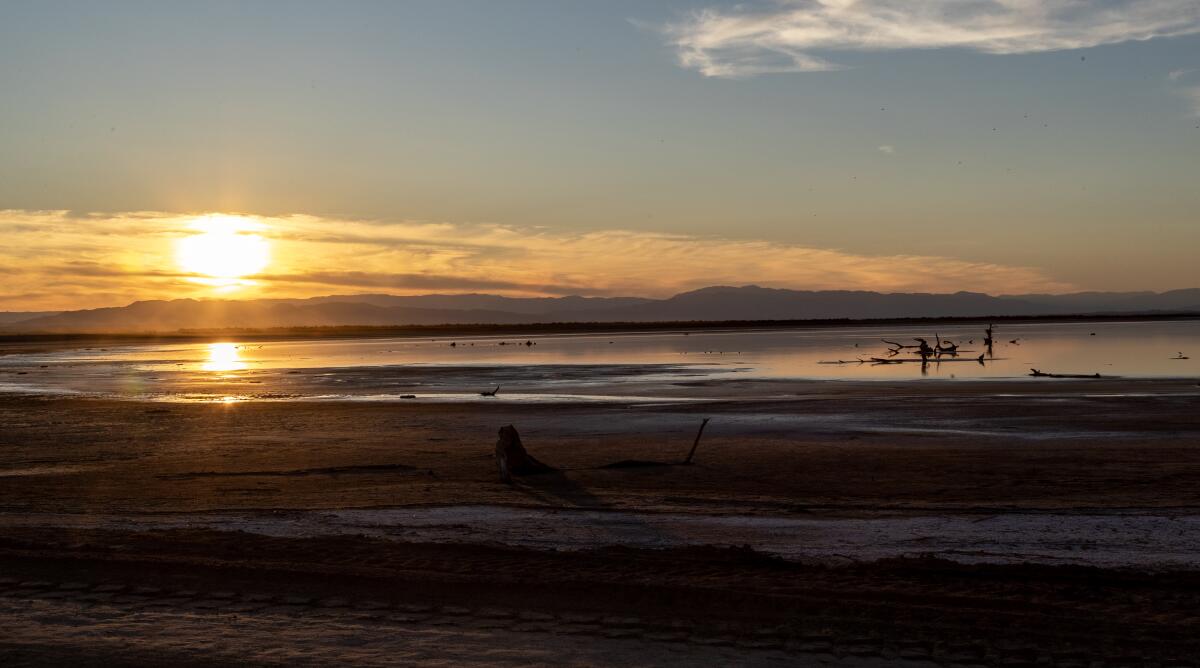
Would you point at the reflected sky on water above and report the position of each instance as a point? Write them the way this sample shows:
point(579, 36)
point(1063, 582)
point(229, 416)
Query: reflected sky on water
point(383, 367)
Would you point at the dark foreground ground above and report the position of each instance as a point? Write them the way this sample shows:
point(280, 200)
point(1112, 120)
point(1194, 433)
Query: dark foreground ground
point(184, 597)
point(113, 594)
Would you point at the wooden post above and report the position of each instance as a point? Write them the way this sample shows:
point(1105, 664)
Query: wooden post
point(696, 443)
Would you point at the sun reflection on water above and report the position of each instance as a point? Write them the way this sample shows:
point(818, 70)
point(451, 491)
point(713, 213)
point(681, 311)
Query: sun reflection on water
point(223, 357)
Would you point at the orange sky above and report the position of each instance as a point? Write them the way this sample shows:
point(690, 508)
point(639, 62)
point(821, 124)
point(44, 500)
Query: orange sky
point(52, 260)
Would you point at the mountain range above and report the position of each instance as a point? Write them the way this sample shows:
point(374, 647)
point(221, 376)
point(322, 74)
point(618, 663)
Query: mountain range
point(719, 303)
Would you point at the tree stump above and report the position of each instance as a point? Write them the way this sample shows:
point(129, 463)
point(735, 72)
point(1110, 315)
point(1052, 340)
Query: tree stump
point(511, 457)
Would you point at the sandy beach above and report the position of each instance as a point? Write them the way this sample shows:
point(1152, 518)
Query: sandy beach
point(816, 518)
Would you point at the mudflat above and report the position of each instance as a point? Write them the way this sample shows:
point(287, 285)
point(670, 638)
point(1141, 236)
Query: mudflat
point(805, 447)
point(851, 523)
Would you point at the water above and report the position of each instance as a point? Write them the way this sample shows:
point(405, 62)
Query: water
point(596, 367)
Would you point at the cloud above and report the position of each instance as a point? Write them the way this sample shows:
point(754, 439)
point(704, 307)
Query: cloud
point(1176, 75)
point(888, 149)
point(788, 35)
point(63, 261)
point(400, 281)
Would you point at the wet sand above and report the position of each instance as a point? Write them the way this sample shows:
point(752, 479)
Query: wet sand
point(844, 448)
point(873, 513)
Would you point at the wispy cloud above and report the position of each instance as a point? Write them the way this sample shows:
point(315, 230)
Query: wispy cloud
point(799, 35)
point(1176, 75)
point(63, 261)
point(887, 148)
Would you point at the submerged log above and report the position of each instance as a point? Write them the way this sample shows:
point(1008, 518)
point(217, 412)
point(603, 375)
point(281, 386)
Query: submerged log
point(1042, 374)
point(512, 459)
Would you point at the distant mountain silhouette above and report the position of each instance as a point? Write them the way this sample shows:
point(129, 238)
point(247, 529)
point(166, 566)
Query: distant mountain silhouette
point(754, 303)
point(1117, 302)
point(530, 305)
point(10, 317)
point(714, 303)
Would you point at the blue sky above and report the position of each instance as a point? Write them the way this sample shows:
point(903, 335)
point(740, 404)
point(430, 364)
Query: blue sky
point(1060, 137)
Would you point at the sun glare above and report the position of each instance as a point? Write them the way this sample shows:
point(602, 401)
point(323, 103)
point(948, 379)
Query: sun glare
point(223, 250)
point(223, 357)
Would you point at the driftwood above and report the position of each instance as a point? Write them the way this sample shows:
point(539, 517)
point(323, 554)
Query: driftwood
point(943, 350)
point(897, 347)
point(491, 393)
point(1042, 374)
point(924, 350)
point(948, 347)
point(642, 463)
point(941, 347)
point(923, 360)
point(512, 459)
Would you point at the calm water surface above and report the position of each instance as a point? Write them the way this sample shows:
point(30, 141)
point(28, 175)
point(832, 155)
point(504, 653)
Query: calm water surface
point(599, 367)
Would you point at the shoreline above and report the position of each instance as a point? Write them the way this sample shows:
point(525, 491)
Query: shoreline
point(595, 384)
point(13, 341)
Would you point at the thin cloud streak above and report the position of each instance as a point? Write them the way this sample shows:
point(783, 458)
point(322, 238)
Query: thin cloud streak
point(132, 256)
point(407, 282)
point(788, 35)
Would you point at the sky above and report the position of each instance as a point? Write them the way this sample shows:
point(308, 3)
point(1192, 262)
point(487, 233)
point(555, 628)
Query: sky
point(619, 147)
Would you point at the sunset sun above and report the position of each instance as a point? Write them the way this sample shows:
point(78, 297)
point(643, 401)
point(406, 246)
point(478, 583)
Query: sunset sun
point(222, 250)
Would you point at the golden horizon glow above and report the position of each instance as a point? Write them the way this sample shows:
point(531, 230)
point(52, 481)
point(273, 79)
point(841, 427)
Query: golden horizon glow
point(224, 250)
point(70, 261)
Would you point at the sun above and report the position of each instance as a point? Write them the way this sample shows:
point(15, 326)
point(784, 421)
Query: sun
point(223, 250)
point(223, 357)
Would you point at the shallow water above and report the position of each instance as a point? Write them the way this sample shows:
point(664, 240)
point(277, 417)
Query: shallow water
point(593, 367)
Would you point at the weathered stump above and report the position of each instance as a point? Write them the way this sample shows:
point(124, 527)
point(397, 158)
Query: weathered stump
point(511, 457)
